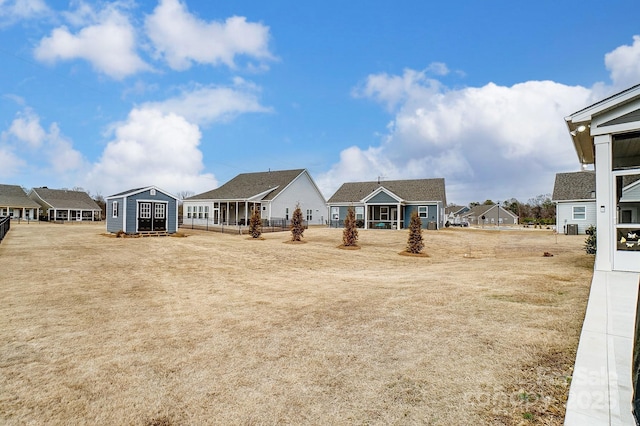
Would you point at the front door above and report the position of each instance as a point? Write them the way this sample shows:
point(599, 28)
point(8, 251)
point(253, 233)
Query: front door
point(144, 217)
point(160, 217)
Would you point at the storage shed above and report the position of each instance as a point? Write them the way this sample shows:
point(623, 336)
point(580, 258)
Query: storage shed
point(142, 210)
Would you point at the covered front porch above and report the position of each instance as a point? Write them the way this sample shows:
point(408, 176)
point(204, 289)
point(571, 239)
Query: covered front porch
point(222, 212)
point(74, 215)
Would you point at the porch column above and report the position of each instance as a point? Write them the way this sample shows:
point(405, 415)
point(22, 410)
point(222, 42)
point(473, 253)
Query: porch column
point(366, 216)
point(605, 204)
point(237, 212)
point(246, 209)
point(227, 215)
point(399, 217)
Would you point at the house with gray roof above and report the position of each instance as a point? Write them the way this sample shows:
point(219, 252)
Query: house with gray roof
point(454, 215)
point(65, 204)
point(275, 193)
point(389, 204)
point(15, 203)
point(142, 210)
point(489, 214)
point(575, 197)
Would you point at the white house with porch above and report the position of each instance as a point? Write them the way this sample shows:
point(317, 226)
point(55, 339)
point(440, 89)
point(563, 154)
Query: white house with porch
point(275, 193)
point(66, 205)
point(15, 203)
point(604, 386)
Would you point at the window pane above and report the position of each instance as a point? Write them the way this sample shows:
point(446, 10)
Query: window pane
point(626, 151)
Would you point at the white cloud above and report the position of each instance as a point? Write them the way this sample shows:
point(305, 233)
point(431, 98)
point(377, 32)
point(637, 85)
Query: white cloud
point(17, 10)
point(623, 64)
point(26, 128)
point(152, 148)
point(206, 104)
point(181, 38)
point(48, 151)
point(487, 142)
point(108, 43)
point(10, 164)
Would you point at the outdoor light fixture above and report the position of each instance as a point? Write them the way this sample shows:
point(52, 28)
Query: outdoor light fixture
point(581, 128)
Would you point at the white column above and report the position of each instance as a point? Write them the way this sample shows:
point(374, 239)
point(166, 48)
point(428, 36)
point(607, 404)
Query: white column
point(366, 217)
point(398, 217)
point(605, 204)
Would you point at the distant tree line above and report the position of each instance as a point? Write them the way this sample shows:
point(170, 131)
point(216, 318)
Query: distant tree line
point(539, 209)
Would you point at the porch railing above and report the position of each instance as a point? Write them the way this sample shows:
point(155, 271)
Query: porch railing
point(5, 225)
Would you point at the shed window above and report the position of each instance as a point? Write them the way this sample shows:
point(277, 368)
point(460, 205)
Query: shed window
point(145, 210)
point(579, 213)
point(423, 211)
point(159, 211)
point(114, 208)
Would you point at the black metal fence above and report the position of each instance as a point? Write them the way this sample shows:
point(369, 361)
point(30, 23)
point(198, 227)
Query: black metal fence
point(5, 225)
point(240, 227)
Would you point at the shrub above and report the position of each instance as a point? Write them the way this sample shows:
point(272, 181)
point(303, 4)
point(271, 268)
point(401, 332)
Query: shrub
point(255, 224)
point(415, 244)
point(350, 233)
point(297, 225)
point(590, 243)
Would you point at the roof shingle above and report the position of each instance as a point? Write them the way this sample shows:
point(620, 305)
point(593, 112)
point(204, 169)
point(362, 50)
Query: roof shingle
point(66, 199)
point(408, 190)
point(14, 196)
point(575, 186)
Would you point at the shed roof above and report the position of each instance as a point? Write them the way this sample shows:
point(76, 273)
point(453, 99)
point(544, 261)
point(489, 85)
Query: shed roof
point(138, 190)
point(575, 186)
point(14, 196)
point(66, 199)
point(249, 185)
point(408, 190)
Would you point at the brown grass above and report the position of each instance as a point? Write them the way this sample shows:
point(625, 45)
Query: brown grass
point(214, 328)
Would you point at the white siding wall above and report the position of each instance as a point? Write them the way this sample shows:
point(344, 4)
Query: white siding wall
point(564, 215)
point(301, 191)
point(195, 205)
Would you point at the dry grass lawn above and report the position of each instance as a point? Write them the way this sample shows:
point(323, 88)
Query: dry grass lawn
point(221, 329)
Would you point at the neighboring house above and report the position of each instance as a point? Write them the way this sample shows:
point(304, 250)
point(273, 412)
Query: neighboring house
point(63, 204)
point(490, 215)
point(575, 198)
point(15, 203)
point(454, 215)
point(389, 204)
point(275, 193)
point(141, 210)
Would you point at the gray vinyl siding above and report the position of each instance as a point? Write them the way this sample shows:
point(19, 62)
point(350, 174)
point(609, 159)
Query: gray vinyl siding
point(382, 198)
point(114, 224)
point(564, 215)
point(432, 215)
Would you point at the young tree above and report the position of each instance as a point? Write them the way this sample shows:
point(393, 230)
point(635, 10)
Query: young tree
point(297, 224)
point(415, 244)
point(350, 233)
point(255, 224)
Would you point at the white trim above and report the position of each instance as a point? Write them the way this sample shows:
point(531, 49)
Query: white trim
point(583, 214)
point(378, 191)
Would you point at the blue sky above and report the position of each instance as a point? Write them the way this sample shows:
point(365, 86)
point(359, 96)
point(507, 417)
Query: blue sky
point(185, 95)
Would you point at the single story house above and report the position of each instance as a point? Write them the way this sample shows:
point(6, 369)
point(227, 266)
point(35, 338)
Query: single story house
point(15, 203)
point(66, 205)
point(140, 210)
point(492, 214)
point(275, 193)
point(575, 197)
point(454, 215)
point(389, 204)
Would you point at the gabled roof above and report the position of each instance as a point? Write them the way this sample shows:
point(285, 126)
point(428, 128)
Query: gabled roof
point(66, 199)
point(14, 196)
point(579, 123)
point(575, 186)
point(484, 209)
point(263, 186)
point(408, 190)
point(456, 209)
point(138, 190)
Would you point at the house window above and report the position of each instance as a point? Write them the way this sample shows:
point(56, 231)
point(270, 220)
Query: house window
point(309, 215)
point(206, 212)
point(423, 211)
point(359, 213)
point(626, 151)
point(384, 213)
point(114, 208)
point(188, 212)
point(286, 213)
point(199, 212)
point(335, 213)
point(159, 211)
point(579, 213)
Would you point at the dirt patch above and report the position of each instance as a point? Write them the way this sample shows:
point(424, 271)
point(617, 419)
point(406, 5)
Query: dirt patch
point(186, 330)
point(354, 247)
